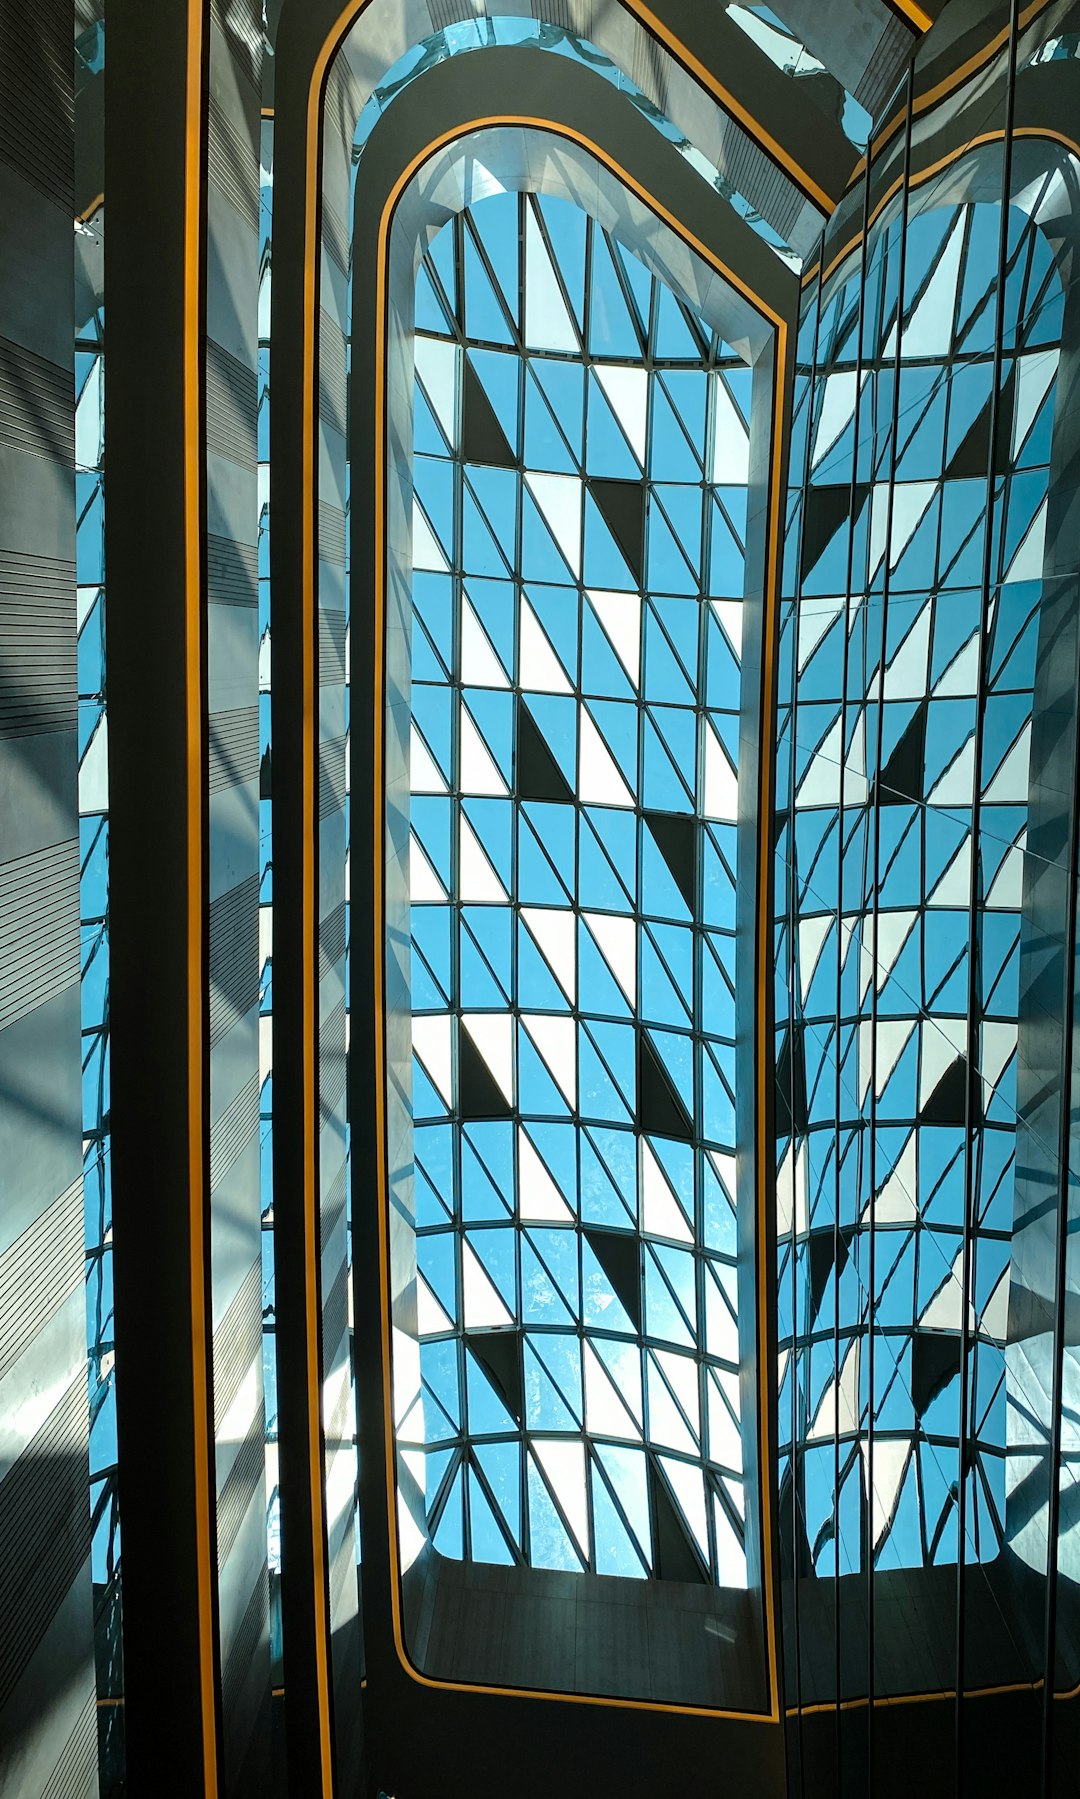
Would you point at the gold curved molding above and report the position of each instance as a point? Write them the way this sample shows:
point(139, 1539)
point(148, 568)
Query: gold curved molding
point(308, 761)
point(764, 913)
point(911, 13)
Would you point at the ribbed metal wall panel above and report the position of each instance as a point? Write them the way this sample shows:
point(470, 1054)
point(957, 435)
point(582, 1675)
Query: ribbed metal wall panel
point(47, 1700)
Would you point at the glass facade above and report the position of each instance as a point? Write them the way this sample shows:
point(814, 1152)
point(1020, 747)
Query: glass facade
point(581, 468)
point(922, 939)
point(94, 893)
point(911, 663)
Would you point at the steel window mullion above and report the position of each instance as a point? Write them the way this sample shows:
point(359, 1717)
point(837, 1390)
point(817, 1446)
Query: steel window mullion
point(990, 570)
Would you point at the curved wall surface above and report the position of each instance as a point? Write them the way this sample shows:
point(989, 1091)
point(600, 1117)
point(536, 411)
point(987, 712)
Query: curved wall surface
point(673, 1178)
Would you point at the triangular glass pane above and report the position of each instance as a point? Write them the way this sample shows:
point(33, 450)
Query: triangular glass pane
point(550, 1546)
point(566, 228)
point(673, 338)
point(496, 221)
point(484, 315)
point(450, 1532)
point(548, 324)
point(611, 327)
point(488, 1544)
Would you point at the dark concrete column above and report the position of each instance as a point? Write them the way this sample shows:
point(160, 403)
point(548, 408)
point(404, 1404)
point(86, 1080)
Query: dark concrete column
point(182, 179)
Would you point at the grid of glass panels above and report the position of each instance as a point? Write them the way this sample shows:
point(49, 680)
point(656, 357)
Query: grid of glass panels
point(581, 466)
point(909, 664)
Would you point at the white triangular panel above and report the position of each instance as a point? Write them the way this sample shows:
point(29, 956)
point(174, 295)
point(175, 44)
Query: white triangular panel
point(478, 884)
point(599, 779)
point(721, 798)
point(890, 1460)
point(493, 1035)
point(437, 364)
point(555, 930)
point(480, 667)
point(479, 773)
point(617, 941)
point(541, 670)
point(548, 325)
point(425, 887)
point(731, 440)
point(427, 552)
point(954, 887)
point(1034, 374)
point(815, 618)
point(559, 500)
point(483, 1304)
point(424, 773)
point(1009, 786)
point(661, 1213)
point(627, 390)
point(896, 1202)
point(539, 1199)
point(431, 1034)
point(928, 331)
point(943, 1039)
point(620, 615)
point(555, 1038)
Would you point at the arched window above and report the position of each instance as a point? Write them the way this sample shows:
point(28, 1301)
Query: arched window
point(581, 469)
point(580, 430)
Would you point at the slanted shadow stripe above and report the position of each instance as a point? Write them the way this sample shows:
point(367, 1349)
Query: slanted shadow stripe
point(39, 929)
point(237, 1342)
point(30, 1293)
point(44, 1531)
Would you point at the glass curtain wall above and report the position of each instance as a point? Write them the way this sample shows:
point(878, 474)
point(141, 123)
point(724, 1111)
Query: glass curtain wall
point(580, 467)
point(919, 823)
point(266, 899)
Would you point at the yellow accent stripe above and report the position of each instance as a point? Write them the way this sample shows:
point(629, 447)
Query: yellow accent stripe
point(313, 143)
point(196, 873)
point(927, 174)
point(734, 108)
point(309, 910)
point(949, 83)
point(912, 13)
point(940, 1696)
point(762, 1049)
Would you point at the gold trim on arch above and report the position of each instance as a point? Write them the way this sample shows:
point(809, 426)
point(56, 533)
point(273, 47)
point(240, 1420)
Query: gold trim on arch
point(764, 923)
point(927, 174)
point(309, 916)
point(949, 83)
point(686, 59)
point(916, 181)
point(912, 13)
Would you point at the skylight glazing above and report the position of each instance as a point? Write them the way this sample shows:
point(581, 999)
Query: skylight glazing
point(479, 34)
point(581, 466)
point(784, 48)
point(905, 732)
